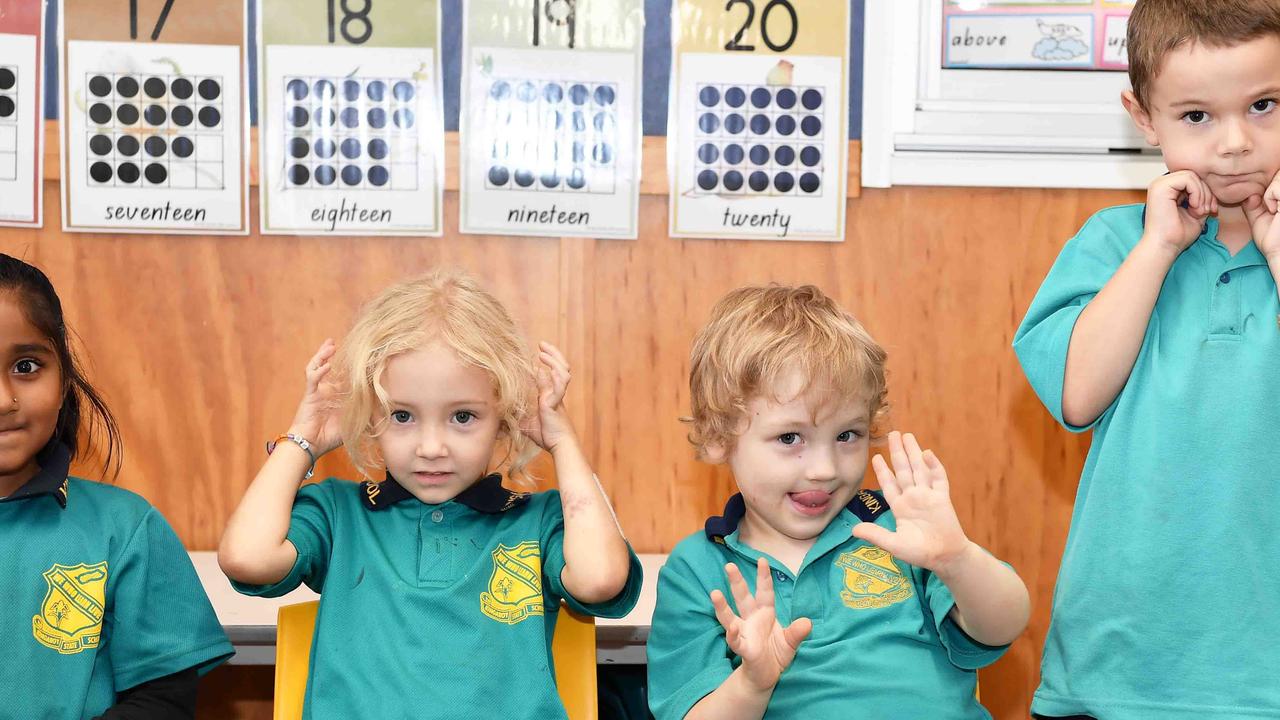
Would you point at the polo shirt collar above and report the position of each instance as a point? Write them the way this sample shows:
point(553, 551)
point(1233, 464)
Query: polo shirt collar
point(866, 505)
point(54, 461)
point(486, 496)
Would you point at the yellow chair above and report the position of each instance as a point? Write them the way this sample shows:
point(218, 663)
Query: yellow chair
point(573, 647)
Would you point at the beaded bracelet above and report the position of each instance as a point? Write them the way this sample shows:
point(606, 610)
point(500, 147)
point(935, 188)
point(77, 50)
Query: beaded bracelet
point(300, 442)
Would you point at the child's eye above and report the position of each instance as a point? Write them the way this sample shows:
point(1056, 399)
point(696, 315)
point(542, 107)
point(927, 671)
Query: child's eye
point(847, 436)
point(789, 438)
point(26, 366)
point(462, 417)
point(1264, 105)
point(401, 417)
point(1195, 117)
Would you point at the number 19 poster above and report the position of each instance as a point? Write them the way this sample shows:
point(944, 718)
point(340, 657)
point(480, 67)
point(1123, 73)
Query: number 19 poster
point(758, 129)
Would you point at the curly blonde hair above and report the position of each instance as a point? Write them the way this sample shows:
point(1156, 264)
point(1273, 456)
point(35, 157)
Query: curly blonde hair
point(758, 334)
point(449, 307)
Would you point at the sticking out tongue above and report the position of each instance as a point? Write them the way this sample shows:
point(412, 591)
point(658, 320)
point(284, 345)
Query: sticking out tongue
point(811, 498)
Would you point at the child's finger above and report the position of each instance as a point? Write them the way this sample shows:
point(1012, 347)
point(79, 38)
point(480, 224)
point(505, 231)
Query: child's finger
point(764, 583)
point(723, 612)
point(797, 631)
point(888, 483)
point(898, 457)
point(554, 351)
point(937, 473)
point(881, 537)
point(916, 458)
point(741, 593)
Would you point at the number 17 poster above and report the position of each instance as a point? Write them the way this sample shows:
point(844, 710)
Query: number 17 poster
point(758, 129)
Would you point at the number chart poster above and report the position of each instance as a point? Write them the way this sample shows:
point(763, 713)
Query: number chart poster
point(154, 125)
point(21, 112)
point(757, 134)
point(1023, 35)
point(551, 117)
point(350, 120)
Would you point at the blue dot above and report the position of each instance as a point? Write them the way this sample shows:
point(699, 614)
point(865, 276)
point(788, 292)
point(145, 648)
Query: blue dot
point(709, 96)
point(735, 96)
point(376, 90)
point(811, 125)
point(552, 93)
point(577, 179)
point(760, 154)
point(604, 95)
point(733, 180)
point(298, 89)
point(784, 181)
point(351, 175)
point(404, 118)
point(707, 179)
point(812, 99)
point(709, 123)
point(733, 154)
point(786, 98)
point(603, 122)
point(325, 148)
point(579, 152)
point(351, 90)
point(734, 123)
point(524, 178)
point(324, 117)
point(299, 117)
point(325, 175)
point(578, 94)
point(403, 91)
point(298, 147)
point(526, 92)
point(351, 149)
point(299, 175)
point(499, 175)
point(708, 153)
point(324, 89)
point(500, 90)
point(351, 117)
point(760, 97)
point(378, 176)
point(377, 118)
point(758, 181)
point(810, 156)
point(760, 124)
point(602, 153)
point(785, 125)
point(579, 121)
point(378, 149)
point(785, 155)
point(550, 179)
point(809, 182)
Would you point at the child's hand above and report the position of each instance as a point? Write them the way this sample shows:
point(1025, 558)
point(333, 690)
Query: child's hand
point(766, 648)
point(929, 534)
point(1260, 210)
point(317, 417)
point(1168, 222)
point(551, 424)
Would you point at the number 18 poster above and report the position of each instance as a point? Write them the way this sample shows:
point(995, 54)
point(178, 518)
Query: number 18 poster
point(758, 130)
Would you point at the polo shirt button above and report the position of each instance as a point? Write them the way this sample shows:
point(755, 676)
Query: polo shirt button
point(1224, 278)
point(437, 516)
point(782, 577)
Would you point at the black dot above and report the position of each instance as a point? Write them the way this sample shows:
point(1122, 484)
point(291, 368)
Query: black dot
point(323, 89)
point(550, 179)
point(299, 174)
point(500, 90)
point(524, 178)
point(154, 88)
point(351, 175)
point(325, 148)
point(378, 148)
point(297, 89)
point(811, 125)
point(812, 99)
point(709, 96)
point(7, 78)
point(128, 172)
point(578, 94)
point(299, 117)
point(784, 181)
point(708, 122)
point(126, 87)
point(786, 98)
point(758, 181)
point(182, 116)
point(526, 92)
point(210, 117)
point(733, 154)
point(605, 95)
point(325, 175)
point(404, 118)
point(785, 125)
point(735, 96)
point(552, 93)
point(603, 153)
point(785, 155)
point(128, 145)
point(760, 97)
point(324, 117)
point(351, 90)
point(403, 91)
point(155, 115)
point(760, 124)
point(6, 106)
point(376, 90)
point(377, 118)
point(127, 114)
point(577, 179)
point(101, 87)
point(734, 123)
point(708, 153)
point(707, 179)
point(155, 146)
point(298, 147)
point(156, 173)
point(100, 113)
point(181, 88)
point(100, 172)
point(100, 144)
point(809, 182)
point(499, 175)
point(210, 89)
point(182, 147)
point(350, 117)
point(733, 180)
point(759, 154)
point(811, 156)
point(351, 149)
point(378, 176)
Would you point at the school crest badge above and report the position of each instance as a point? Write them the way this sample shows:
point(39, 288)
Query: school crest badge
point(872, 579)
point(515, 587)
point(70, 618)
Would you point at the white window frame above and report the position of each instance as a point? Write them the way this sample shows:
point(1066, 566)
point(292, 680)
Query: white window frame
point(922, 125)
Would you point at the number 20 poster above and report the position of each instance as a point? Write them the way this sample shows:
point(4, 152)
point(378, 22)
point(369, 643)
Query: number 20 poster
point(758, 129)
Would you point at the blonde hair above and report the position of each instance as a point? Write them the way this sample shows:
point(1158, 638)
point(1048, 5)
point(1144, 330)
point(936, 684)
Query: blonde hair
point(1157, 27)
point(758, 334)
point(445, 306)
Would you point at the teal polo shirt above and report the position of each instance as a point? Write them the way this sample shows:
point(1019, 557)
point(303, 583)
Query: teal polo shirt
point(433, 611)
point(882, 645)
point(1165, 606)
point(97, 596)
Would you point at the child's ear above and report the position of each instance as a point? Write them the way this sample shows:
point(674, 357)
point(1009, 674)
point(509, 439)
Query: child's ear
point(1141, 118)
point(714, 453)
